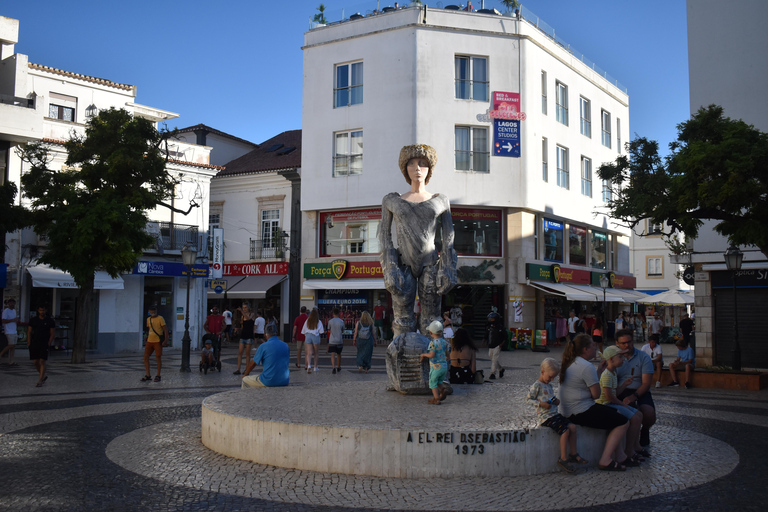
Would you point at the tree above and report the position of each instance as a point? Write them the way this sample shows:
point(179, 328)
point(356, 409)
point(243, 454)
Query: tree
point(12, 216)
point(511, 5)
point(94, 211)
point(320, 16)
point(717, 169)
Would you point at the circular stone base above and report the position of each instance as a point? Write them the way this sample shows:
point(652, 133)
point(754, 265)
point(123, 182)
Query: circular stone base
point(362, 429)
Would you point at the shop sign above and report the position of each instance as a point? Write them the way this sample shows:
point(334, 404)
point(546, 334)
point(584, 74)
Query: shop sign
point(556, 274)
point(218, 252)
point(353, 215)
point(745, 278)
point(342, 297)
point(506, 105)
point(341, 269)
point(475, 214)
point(168, 269)
point(256, 269)
point(619, 281)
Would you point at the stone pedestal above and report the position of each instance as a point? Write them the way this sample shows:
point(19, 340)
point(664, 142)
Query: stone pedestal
point(407, 374)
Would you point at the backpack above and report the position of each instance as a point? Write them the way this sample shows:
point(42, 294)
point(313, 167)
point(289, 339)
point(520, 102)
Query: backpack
point(364, 332)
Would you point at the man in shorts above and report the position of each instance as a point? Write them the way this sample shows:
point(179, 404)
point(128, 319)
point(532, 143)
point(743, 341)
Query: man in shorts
point(155, 328)
point(639, 367)
point(10, 317)
point(40, 333)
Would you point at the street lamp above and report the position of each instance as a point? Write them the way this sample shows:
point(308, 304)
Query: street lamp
point(604, 283)
point(733, 258)
point(188, 256)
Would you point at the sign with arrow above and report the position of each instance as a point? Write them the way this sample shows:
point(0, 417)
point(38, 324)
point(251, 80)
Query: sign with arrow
point(506, 138)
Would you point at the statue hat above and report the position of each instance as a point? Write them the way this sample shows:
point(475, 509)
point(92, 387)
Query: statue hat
point(417, 151)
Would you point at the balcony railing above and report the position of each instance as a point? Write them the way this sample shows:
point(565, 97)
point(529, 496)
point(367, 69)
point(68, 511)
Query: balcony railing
point(173, 237)
point(275, 248)
point(19, 102)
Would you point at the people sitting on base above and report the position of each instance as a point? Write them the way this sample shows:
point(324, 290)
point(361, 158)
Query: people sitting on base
point(463, 369)
point(542, 396)
point(685, 359)
point(653, 349)
point(609, 389)
point(275, 356)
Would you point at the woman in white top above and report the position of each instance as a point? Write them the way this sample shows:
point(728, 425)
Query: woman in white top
point(579, 388)
point(312, 330)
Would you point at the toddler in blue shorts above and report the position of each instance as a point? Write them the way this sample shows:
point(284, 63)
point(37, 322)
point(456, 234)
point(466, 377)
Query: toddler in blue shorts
point(437, 353)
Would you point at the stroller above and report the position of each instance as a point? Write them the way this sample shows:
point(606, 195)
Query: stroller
point(215, 340)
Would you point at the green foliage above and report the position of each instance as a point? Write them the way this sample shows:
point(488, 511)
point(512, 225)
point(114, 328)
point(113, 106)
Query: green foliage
point(12, 216)
point(94, 212)
point(511, 5)
point(718, 170)
point(320, 16)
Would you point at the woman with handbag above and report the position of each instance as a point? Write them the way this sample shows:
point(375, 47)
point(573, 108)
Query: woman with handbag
point(364, 339)
point(157, 338)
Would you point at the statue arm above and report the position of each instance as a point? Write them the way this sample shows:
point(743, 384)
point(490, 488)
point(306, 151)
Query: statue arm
point(394, 278)
point(446, 268)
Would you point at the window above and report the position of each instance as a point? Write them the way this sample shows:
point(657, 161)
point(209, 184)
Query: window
point(577, 245)
point(270, 228)
point(618, 135)
point(585, 111)
point(544, 92)
point(348, 153)
point(606, 127)
point(561, 110)
point(350, 232)
point(586, 176)
point(553, 240)
point(655, 266)
point(349, 85)
point(472, 149)
point(477, 232)
point(562, 167)
point(654, 229)
point(606, 191)
point(62, 107)
point(471, 78)
point(544, 160)
point(599, 249)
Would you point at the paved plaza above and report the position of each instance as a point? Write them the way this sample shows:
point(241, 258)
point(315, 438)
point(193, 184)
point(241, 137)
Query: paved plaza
point(95, 438)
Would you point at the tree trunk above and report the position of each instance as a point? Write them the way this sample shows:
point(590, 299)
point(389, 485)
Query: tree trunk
point(83, 311)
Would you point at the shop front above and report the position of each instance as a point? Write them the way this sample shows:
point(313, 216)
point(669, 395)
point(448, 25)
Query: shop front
point(561, 289)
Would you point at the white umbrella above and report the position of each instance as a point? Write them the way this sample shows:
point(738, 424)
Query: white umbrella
point(671, 297)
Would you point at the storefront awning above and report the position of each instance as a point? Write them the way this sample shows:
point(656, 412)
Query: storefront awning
point(346, 284)
point(564, 290)
point(247, 287)
point(44, 276)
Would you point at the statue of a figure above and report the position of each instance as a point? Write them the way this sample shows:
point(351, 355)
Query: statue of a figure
point(415, 263)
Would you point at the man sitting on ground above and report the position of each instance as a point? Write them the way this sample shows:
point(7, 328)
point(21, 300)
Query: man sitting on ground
point(274, 355)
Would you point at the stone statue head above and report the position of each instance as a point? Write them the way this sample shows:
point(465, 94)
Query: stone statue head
point(417, 151)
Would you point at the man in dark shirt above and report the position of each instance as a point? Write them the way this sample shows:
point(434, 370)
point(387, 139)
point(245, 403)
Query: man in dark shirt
point(686, 326)
point(40, 334)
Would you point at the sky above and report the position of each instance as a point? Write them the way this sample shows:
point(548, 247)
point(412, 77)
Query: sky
point(236, 65)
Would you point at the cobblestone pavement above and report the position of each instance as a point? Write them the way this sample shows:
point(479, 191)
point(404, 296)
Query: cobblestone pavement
point(95, 438)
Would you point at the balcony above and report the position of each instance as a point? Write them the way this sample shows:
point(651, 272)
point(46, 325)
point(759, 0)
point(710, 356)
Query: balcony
point(275, 248)
point(173, 237)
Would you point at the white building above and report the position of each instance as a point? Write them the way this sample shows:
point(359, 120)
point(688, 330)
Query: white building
point(433, 76)
point(725, 48)
point(255, 200)
point(40, 103)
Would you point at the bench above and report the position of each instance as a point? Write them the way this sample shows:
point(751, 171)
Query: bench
point(716, 379)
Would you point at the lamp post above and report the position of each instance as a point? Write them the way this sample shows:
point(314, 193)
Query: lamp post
point(188, 256)
point(604, 282)
point(733, 258)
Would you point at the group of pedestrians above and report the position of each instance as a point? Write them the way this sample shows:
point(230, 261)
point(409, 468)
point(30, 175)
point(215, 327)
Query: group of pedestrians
point(615, 396)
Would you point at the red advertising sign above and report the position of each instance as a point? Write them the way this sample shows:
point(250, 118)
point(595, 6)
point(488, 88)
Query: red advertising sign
point(352, 215)
point(475, 214)
point(506, 105)
point(627, 282)
point(570, 275)
point(256, 269)
point(364, 269)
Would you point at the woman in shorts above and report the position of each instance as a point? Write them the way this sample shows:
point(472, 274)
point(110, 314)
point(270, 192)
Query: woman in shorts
point(312, 330)
point(246, 335)
point(579, 388)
